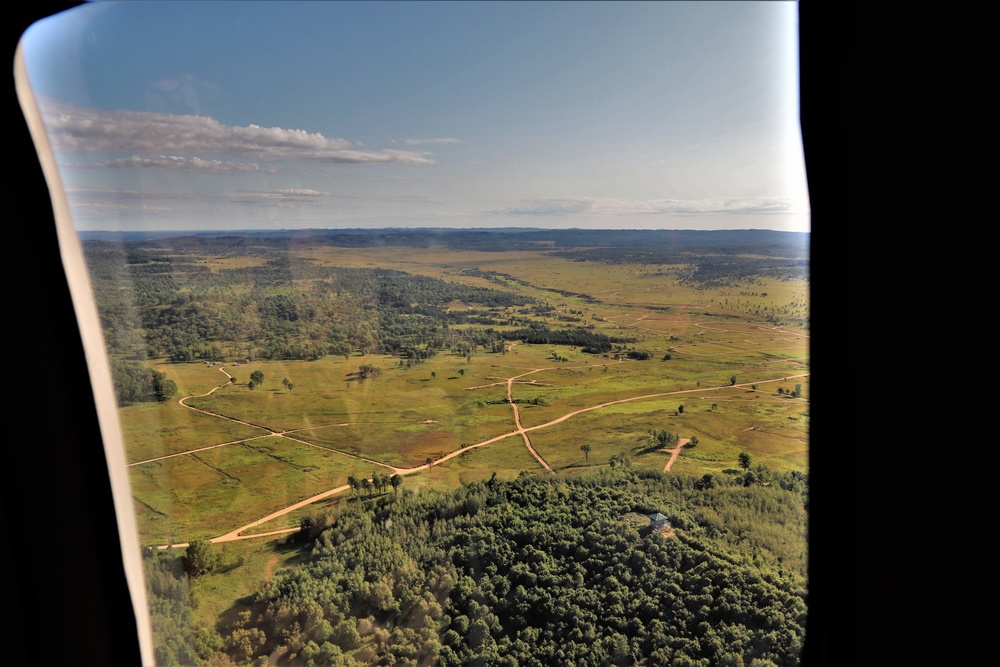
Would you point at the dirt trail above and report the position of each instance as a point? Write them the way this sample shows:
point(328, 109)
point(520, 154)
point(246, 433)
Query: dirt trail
point(517, 419)
point(675, 452)
point(236, 533)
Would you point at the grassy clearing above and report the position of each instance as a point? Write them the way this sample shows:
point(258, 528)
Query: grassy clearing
point(506, 458)
point(206, 494)
point(247, 566)
point(404, 416)
point(151, 430)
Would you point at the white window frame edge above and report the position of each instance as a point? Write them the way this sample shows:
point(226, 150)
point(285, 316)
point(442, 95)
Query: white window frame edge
point(95, 352)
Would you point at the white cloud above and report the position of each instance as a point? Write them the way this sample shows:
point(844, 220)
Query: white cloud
point(609, 206)
point(303, 192)
point(441, 140)
point(84, 130)
point(178, 163)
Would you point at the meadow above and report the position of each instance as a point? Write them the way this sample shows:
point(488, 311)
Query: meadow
point(710, 368)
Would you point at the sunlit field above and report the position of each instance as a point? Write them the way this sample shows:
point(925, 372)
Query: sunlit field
point(702, 363)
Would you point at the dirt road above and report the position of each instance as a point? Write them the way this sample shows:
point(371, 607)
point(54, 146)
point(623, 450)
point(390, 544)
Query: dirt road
point(235, 534)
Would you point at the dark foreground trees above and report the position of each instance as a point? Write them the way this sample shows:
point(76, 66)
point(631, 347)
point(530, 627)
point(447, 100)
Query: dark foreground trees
point(547, 571)
point(136, 383)
point(201, 558)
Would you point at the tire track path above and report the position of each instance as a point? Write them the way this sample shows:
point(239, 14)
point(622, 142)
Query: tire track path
point(237, 533)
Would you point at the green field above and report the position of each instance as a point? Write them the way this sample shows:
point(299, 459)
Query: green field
point(296, 371)
point(236, 454)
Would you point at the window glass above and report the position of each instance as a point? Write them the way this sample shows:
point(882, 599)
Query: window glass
point(441, 333)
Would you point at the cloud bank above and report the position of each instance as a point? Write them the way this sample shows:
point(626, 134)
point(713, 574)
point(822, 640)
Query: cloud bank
point(623, 207)
point(442, 140)
point(81, 130)
point(178, 163)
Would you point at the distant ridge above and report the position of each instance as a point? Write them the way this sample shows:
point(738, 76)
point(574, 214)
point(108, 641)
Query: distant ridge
point(487, 239)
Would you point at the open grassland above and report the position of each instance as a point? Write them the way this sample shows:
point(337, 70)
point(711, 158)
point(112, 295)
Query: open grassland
point(506, 458)
point(408, 444)
point(152, 430)
point(404, 417)
point(590, 285)
point(203, 495)
point(192, 379)
point(246, 566)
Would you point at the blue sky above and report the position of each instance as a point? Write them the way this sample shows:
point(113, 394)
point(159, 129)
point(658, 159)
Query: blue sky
point(234, 115)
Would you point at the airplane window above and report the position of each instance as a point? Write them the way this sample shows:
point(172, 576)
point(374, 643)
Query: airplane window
point(441, 333)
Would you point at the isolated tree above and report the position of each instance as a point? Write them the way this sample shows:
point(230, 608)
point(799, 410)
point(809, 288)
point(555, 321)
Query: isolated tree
point(251, 384)
point(257, 377)
point(430, 462)
point(201, 558)
point(744, 460)
point(284, 381)
point(290, 386)
point(434, 374)
point(732, 380)
point(662, 438)
point(680, 409)
point(585, 448)
point(461, 371)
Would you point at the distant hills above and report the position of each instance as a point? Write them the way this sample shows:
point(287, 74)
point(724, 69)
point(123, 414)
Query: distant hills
point(485, 239)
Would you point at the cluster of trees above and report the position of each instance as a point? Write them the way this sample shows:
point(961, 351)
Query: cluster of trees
point(539, 334)
point(179, 641)
point(541, 571)
point(661, 439)
point(256, 379)
point(287, 308)
point(201, 558)
point(377, 483)
point(135, 383)
point(710, 260)
point(794, 393)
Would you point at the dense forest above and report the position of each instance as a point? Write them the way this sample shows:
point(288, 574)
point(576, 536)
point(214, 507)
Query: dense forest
point(535, 571)
point(707, 268)
point(156, 300)
point(153, 305)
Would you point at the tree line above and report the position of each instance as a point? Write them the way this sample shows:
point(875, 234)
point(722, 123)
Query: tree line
point(536, 571)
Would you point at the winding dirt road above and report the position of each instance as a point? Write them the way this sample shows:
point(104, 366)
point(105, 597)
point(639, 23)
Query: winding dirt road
point(237, 533)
